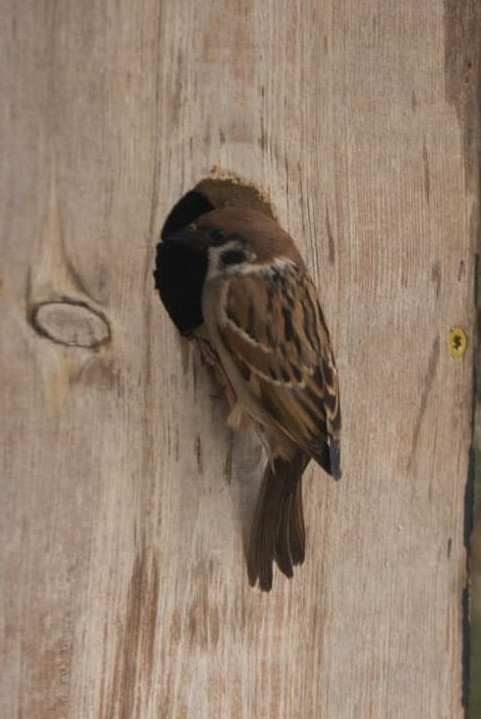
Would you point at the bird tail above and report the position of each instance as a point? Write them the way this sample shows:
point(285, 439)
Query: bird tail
point(278, 533)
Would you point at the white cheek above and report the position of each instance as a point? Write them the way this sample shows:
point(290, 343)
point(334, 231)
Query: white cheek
point(215, 267)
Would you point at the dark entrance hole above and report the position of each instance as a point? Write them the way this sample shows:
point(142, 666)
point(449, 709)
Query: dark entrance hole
point(179, 273)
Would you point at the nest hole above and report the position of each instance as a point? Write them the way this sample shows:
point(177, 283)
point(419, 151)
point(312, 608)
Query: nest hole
point(180, 273)
point(214, 192)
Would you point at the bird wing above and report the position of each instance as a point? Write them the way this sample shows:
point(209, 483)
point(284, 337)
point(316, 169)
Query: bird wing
point(273, 327)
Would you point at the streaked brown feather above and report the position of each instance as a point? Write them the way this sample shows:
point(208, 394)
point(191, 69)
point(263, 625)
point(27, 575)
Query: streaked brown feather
point(289, 356)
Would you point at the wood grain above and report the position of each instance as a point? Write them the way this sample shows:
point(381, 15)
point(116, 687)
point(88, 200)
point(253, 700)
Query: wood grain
point(124, 497)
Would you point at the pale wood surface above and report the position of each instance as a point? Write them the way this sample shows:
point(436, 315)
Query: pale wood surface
point(123, 585)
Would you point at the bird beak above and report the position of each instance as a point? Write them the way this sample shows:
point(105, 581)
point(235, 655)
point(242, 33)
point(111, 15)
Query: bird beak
point(189, 237)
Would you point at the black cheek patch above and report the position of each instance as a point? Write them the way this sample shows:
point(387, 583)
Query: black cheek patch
point(233, 257)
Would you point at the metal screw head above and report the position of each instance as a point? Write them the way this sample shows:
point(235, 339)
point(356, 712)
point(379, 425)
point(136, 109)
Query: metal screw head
point(457, 342)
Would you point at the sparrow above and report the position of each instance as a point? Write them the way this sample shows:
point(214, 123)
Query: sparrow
point(234, 281)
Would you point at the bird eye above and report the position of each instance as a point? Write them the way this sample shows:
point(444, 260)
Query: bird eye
point(217, 236)
point(233, 257)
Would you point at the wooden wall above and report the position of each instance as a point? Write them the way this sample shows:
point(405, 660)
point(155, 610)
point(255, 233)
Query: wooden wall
point(123, 497)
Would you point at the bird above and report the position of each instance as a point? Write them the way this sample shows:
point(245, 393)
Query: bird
point(234, 281)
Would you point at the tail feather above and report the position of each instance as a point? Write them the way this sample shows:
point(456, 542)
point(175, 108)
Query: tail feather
point(278, 531)
point(282, 549)
point(297, 530)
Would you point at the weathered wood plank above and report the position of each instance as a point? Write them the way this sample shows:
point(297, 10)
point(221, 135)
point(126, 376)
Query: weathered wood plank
point(124, 590)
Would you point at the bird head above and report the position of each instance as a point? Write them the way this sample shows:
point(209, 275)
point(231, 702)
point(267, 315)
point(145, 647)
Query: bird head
point(220, 243)
point(236, 239)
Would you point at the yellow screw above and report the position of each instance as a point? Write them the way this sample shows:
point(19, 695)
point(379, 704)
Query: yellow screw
point(457, 342)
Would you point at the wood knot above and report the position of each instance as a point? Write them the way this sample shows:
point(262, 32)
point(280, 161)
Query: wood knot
point(71, 323)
